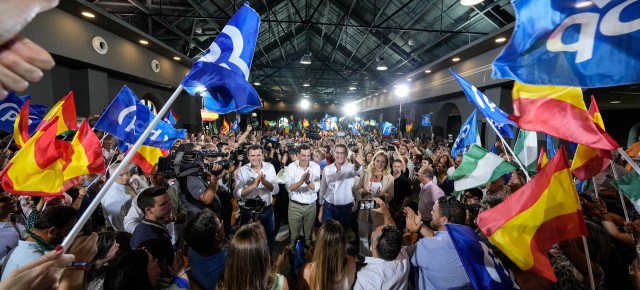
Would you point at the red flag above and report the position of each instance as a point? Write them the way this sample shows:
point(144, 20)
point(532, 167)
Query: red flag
point(225, 127)
point(21, 126)
point(587, 162)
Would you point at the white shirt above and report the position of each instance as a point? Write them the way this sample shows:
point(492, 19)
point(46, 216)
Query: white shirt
point(107, 152)
point(303, 194)
point(336, 186)
point(134, 217)
point(246, 176)
point(111, 204)
point(383, 274)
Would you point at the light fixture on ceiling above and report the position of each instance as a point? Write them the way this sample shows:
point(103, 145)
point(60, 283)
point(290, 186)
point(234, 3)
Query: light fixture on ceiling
point(501, 39)
point(304, 104)
point(402, 91)
point(88, 14)
point(306, 59)
point(470, 2)
point(584, 4)
point(176, 58)
point(408, 80)
point(410, 42)
point(616, 101)
point(455, 59)
point(427, 71)
point(350, 109)
point(198, 29)
point(352, 88)
point(142, 41)
point(381, 65)
point(256, 83)
point(306, 83)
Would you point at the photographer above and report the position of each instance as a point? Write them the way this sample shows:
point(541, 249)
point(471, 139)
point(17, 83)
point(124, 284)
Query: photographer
point(255, 186)
point(199, 191)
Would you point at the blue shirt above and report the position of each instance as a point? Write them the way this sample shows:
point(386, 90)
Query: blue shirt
point(23, 254)
point(206, 270)
point(438, 263)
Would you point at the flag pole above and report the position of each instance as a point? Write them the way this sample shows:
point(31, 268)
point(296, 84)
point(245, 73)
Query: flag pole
point(511, 151)
point(624, 206)
point(595, 187)
point(586, 252)
point(628, 159)
point(8, 145)
point(125, 162)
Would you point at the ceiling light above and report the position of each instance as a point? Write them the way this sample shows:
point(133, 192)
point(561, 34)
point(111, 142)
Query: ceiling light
point(427, 71)
point(381, 65)
point(455, 59)
point(306, 83)
point(306, 59)
point(402, 91)
point(352, 88)
point(501, 39)
point(395, 86)
point(176, 58)
point(88, 14)
point(410, 42)
point(256, 83)
point(384, 91)
point(615, 102)
point(142, 41)
point(470, 2)
point(326, 102)
point(584, 4)
point(408, 80)
point(198, 29)
point(304, 104)
point(350, 109)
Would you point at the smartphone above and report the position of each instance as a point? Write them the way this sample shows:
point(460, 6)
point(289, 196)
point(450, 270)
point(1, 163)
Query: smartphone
point(367, 204)
point(391, 148)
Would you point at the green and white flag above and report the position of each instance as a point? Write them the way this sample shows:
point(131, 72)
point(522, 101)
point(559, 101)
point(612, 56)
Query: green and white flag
point(629, 185)
point(479, 167)
point(526, 150)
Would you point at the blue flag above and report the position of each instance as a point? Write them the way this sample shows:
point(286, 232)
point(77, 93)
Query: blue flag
point(220, 75)
point(235, 127)
point(9, 109)
point(39, 110)
point(169, 119)
point(551, 151)
point(493, 149)
point(127, 118)
point(426, 120)
point(467, 135)
point(299, 258)
point(488, 109)
point(123, 146)
point(572, 45)
point(388, 129)
point(484, 269)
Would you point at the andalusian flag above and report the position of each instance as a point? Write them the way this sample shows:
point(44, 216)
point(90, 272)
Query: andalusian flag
point(560, 112)
point(587, 161)
point(479, 167)
point(526, 149)
point(146, 157)
point(21, 126)
point(543, 212)
point(87, 156)
point(225, 127)
point(270, 124)
point(207, 115)
point(629, 185)
point(305, 123)
point(65, 110)
point(38, 167)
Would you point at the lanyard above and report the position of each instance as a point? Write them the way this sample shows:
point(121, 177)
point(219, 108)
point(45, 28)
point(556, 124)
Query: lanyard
point(46, 247)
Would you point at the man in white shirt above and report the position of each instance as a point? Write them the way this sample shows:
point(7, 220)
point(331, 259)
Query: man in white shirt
point(117, 195)
point(255, 186)
point(107, 149)
point(303, 182)
point(336, 198)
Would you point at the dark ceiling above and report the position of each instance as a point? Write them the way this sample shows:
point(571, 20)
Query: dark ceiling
point(344, 37)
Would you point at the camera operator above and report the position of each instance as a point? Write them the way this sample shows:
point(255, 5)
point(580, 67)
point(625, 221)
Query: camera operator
point(255, 186)
point(201, 191)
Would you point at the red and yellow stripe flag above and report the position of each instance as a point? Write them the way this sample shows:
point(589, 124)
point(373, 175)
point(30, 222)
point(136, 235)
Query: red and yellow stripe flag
point(225, 127)
point(207, 115)
point(305, 123)
point(21, 126)
point(147, 157)
point(588, 161)
point(559, 112)
point(87, 156)
point(38, 167)
point(543, 212)
point(542, 159)
point(65, 110)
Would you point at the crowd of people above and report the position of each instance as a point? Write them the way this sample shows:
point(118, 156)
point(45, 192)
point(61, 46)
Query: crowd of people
point(367, 212)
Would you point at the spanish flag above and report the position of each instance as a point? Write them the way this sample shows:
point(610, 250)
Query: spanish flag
point(588, 161)
point(38, 167)
point(542, 159)
point(543, 212)
point(87, 156)
point(291, 117)
point(207, 115)
point(557, 111)
point(65, 110)
point(146, 157)
point(409, 127)
point(305, 123)
point(21, 126)
point(225, 127)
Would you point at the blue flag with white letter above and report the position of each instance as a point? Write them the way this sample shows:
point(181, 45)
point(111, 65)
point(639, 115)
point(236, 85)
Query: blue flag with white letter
point(9, 109)
point(388, 129)
point(127, 118)
point(235, 127)
point(426, 120)
point(484, 269)
point(573, 43)
point(467, 135)
point(488, 109)
point(169, 119)
point(221, 74)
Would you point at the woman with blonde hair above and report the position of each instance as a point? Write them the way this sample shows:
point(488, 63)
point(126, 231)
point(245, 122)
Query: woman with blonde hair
point(331, 268)
point(375, 181)
point(248, 264)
